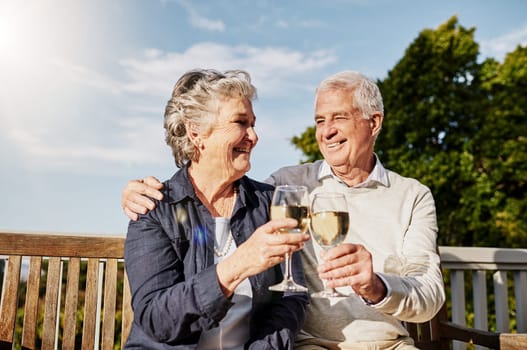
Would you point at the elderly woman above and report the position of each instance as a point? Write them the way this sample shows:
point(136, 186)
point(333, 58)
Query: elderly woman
point(200, 264)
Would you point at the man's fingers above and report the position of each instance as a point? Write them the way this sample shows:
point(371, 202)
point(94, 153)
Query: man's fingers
point(148, 187)
point(153, 182)
point(135, 198)
point(133, 216)
point(342, 250)
point(140, 204)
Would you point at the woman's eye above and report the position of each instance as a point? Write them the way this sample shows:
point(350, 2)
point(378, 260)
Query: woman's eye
point(244, 123)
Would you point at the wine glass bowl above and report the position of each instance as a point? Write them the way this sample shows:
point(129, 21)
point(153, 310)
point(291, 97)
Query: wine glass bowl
point(290, 202)
point(329, 226)
point(298, 212)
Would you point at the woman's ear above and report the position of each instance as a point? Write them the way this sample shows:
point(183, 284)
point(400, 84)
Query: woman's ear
point(193, 134)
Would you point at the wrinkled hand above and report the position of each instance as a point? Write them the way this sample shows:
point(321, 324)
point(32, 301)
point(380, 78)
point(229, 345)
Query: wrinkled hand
point(262, 250)
point(135, 196)
point(351, 265)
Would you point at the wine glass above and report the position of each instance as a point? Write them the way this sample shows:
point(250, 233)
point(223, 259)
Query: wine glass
point(290, 202)
point(329, 227)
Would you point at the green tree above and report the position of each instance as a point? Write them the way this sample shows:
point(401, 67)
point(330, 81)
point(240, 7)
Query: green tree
point(460, 127)
point(500, 147)
point(433, 107)
point(308, 144)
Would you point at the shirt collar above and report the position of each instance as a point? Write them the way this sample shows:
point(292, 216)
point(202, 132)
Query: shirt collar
point(377, 175)
point(180, 187)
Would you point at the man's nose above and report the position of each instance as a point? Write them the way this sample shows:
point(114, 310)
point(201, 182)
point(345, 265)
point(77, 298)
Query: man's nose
point(329, 130)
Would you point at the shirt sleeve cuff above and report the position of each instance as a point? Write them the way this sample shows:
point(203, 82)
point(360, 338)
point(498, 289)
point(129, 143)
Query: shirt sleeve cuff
point(383, 300)
point(209, 295)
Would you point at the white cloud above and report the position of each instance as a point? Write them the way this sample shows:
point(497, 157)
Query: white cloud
point(312, 23)
point(136, 140)
point(83, 76)
point(75, 117)
point(204, 23)
point(263, 22)
point(271, 67)
point(282, 24)
point(199, 21)
point(500, 46)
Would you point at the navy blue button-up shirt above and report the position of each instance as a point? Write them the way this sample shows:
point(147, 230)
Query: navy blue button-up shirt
point(170, 264)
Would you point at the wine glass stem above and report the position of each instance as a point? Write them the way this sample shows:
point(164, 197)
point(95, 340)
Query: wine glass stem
point(325, 282)
point(287, 266)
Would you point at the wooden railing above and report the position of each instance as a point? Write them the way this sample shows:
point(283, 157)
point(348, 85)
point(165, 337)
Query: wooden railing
point(488, 273)
point(103, 301)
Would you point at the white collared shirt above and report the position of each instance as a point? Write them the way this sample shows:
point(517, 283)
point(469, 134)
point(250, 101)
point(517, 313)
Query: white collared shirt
point(377, 175)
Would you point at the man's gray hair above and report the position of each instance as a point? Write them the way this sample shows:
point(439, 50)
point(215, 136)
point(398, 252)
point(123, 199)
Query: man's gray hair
point(365, 93)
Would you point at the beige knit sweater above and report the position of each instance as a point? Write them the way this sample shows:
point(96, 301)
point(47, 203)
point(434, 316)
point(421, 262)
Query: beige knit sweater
point(394, 218)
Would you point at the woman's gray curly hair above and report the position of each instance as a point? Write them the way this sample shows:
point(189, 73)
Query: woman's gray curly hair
point(194, 103)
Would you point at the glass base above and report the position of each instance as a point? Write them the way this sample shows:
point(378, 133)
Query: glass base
point(288, 286)
point(328, 293)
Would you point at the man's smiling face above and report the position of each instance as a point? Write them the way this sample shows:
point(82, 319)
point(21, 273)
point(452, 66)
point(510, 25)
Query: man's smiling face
point(344, 137)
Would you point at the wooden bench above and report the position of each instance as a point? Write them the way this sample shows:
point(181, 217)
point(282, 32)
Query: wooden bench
point(55, 306)
point(507, 268)
point(440, 334)
point(100, 305)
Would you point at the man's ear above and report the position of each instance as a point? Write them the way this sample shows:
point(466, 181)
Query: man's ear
point(376, 122)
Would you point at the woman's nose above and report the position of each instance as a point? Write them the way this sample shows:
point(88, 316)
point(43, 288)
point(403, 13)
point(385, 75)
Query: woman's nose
point(251, 134)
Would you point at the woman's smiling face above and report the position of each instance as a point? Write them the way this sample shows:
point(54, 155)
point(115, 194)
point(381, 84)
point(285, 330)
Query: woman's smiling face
point(228, 144)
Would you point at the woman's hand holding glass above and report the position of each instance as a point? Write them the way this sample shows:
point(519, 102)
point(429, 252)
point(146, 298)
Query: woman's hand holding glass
point(290, 202)
point(329, 227)
point(263, 250)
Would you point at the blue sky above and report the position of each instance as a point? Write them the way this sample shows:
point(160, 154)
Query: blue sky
point(83, 84)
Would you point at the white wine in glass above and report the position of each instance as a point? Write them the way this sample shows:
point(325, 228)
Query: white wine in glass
point(329, 227)
point(290, 202)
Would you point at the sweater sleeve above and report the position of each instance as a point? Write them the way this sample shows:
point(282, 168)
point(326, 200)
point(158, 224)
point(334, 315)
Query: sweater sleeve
point(414, 278)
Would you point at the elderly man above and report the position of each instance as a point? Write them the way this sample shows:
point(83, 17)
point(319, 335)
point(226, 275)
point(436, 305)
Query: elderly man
point(388, 265)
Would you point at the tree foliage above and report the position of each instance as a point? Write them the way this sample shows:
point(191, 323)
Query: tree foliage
point(460, 127)
point(308, 144)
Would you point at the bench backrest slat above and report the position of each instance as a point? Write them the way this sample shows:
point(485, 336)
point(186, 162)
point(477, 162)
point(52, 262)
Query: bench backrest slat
point(90, 304)
point(110, 290)
point(127, 310)
point(71, 304)
point(63, 245)
point(50, 304)
point(31, 308)
point(9, 298)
